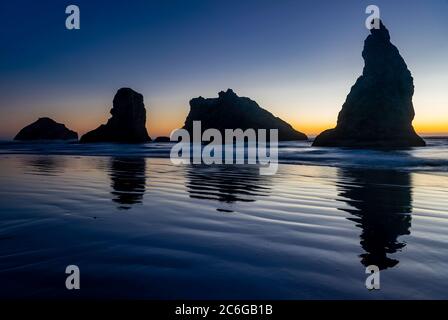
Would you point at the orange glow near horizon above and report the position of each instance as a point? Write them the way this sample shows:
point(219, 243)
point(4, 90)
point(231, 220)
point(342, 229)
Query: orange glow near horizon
point(161, 124)
point(307, 128)
point(432, 128)
point(163, 116)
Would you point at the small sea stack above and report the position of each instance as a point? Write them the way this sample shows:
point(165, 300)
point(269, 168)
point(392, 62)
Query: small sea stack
point(46, 129)
point(128, 121)
point(162, 139)
point(378, 111)
point(229, 111)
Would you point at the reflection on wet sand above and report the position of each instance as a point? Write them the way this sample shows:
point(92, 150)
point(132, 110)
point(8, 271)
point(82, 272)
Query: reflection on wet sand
point(45, 165)
point(226, 183)
point(381, 205)
point(128, 180)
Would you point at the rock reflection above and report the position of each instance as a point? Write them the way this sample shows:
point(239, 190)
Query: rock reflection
point(45, 165)
point(226, 183)
point(381, 205)
point(128, 180)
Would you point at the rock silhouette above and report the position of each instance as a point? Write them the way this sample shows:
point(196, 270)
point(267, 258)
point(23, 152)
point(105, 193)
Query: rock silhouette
point(230, 111)
point(378, 111)
point(128, 121)
point(46, 129)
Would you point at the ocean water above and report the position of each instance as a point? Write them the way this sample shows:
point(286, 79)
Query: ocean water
point(138, 226)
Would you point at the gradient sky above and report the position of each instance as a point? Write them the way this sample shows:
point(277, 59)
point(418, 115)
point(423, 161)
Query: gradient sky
point(298, 59)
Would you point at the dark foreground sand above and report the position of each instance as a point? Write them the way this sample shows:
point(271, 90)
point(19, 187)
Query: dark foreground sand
point(143, 228)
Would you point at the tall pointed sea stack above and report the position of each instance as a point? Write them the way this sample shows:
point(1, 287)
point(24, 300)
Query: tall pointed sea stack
point(378, 111)
point(128, 121)
point(229, 111)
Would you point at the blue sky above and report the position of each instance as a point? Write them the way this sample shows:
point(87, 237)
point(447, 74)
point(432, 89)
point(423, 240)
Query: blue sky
point(297, 59)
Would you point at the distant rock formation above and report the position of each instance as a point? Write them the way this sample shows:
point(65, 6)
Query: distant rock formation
point(162, 139)
point(378, 111)
point(230, 111)
point(128, 121)
point(46, 129)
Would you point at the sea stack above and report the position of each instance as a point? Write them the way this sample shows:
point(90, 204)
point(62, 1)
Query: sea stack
point(378, 112)
point(128, 121)
point(46, 129)
point(229, 111)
